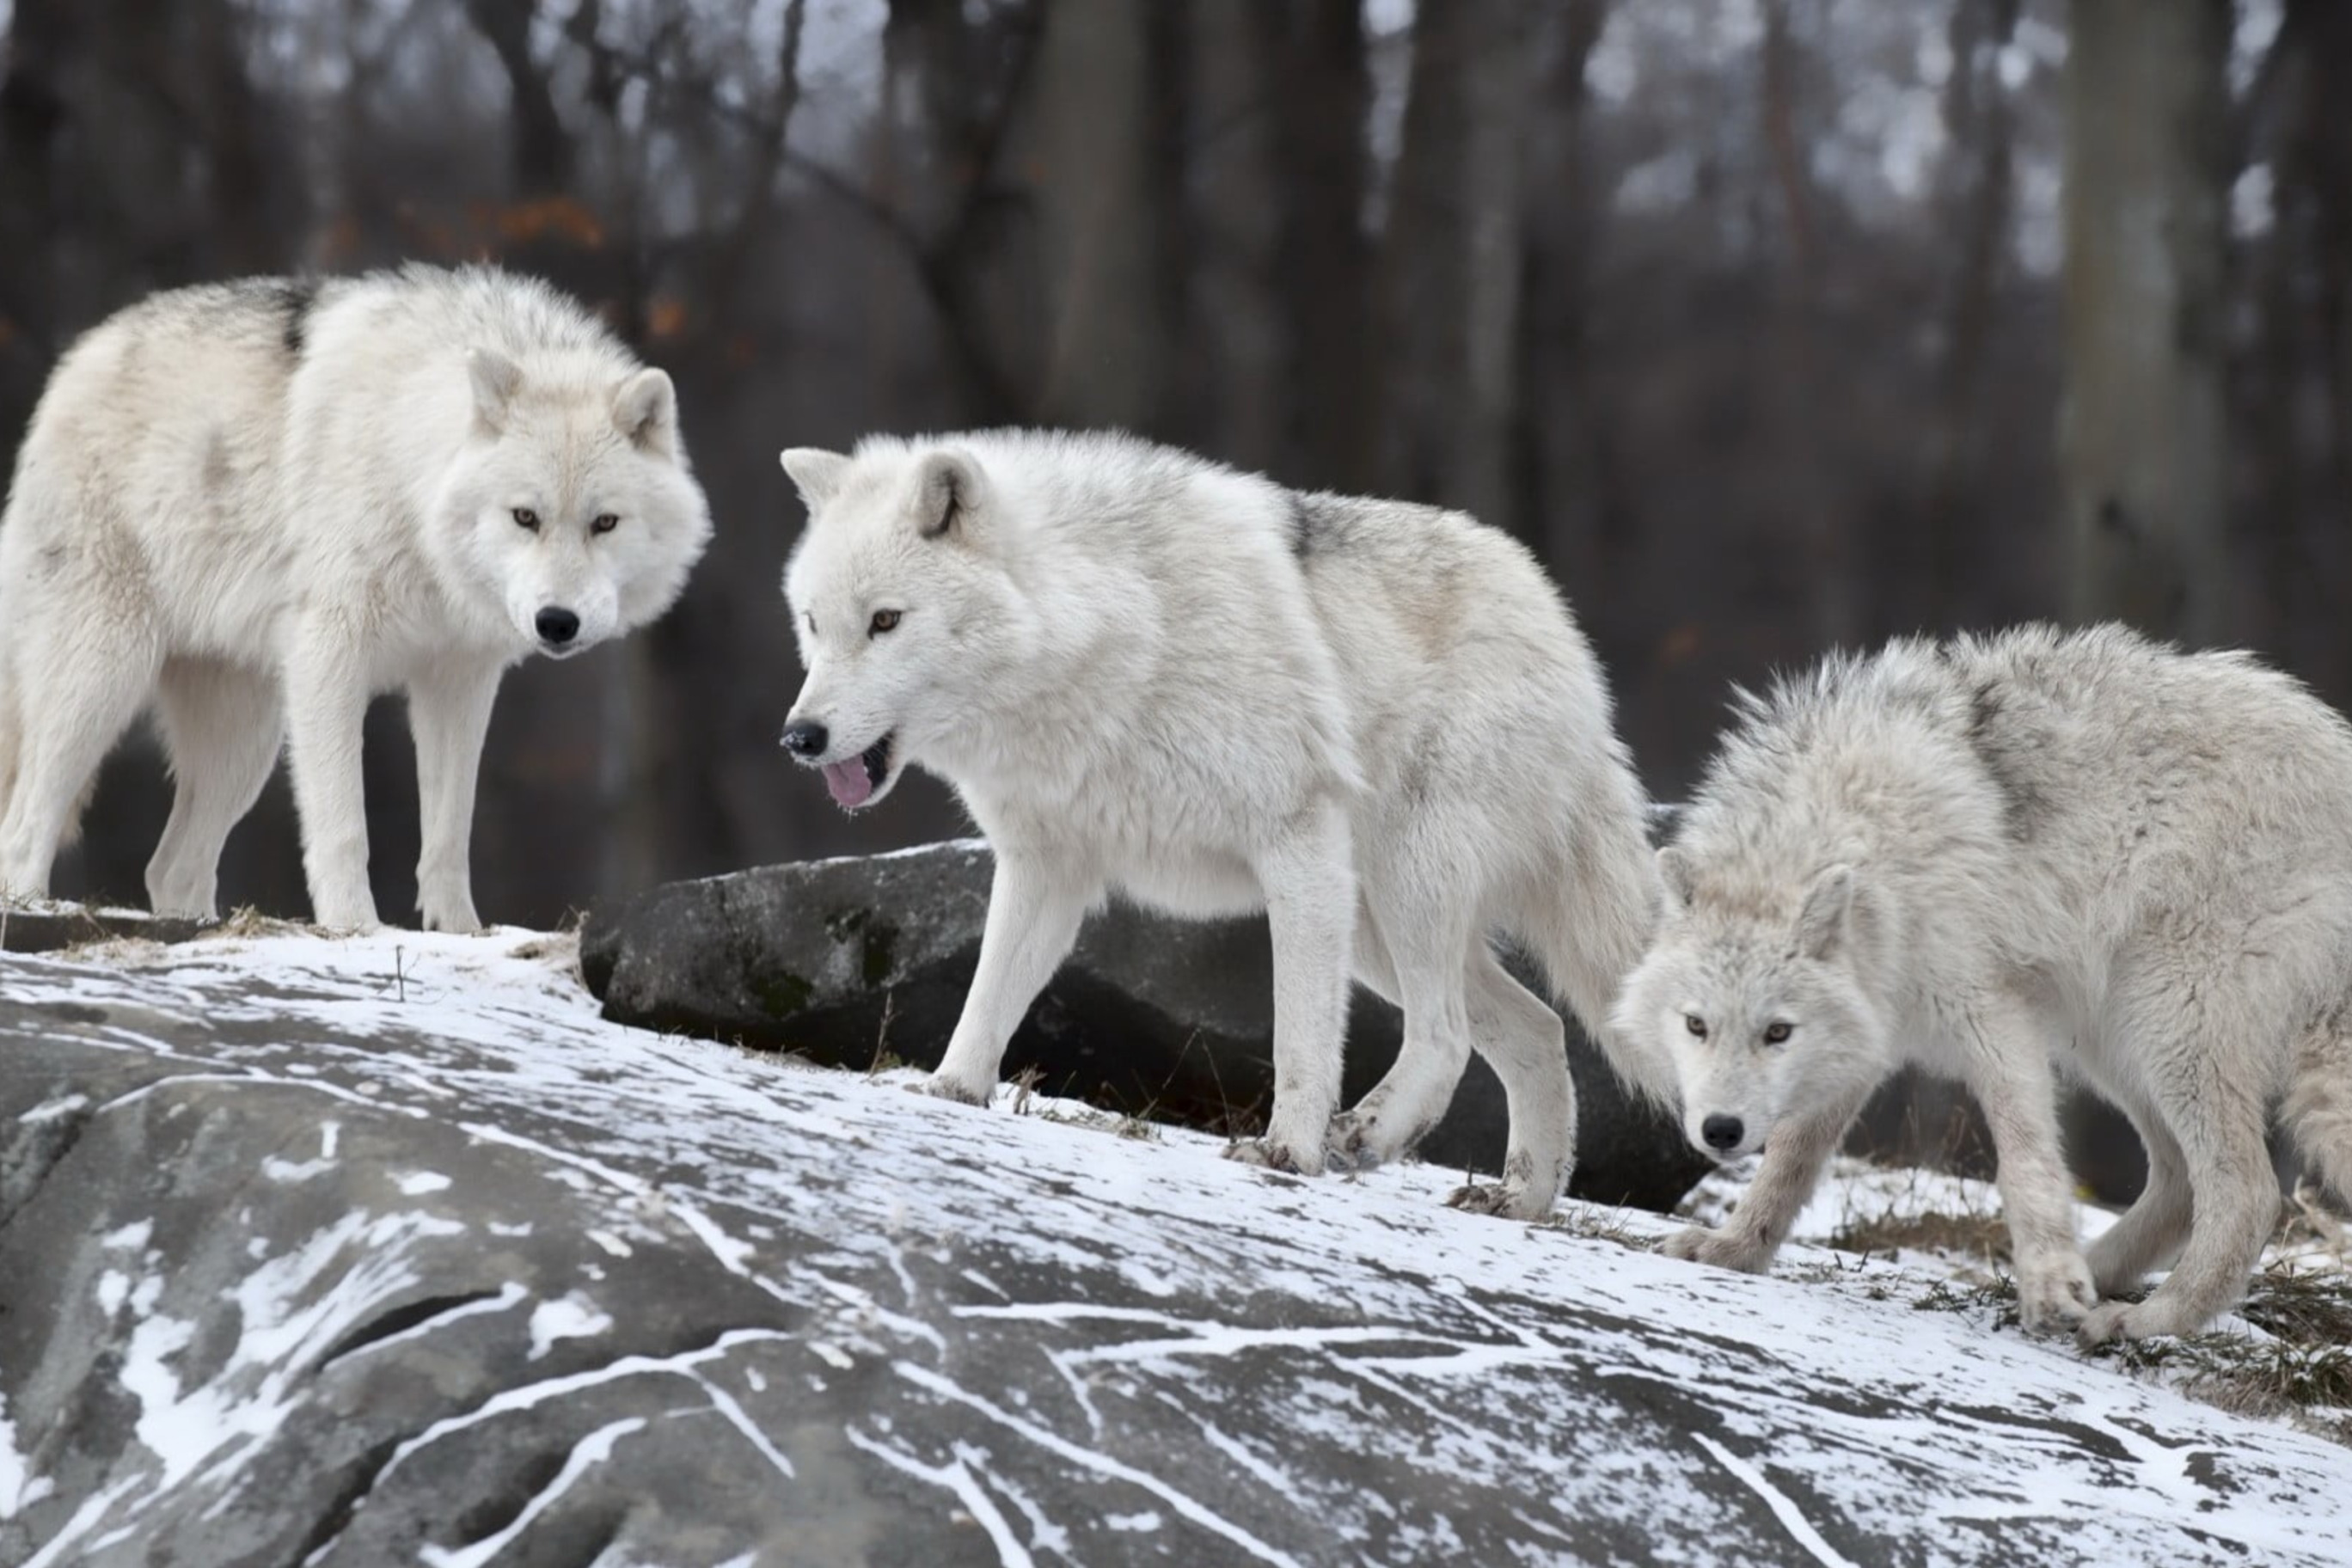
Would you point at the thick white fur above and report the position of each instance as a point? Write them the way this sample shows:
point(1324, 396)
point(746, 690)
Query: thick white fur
point(1999, 854)
point(1393, 740)
point(255, 505)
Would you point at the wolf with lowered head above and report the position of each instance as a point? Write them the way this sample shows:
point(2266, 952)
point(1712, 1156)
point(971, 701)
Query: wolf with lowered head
point(2004, 859)
point(250, 507)
point(1151, 675)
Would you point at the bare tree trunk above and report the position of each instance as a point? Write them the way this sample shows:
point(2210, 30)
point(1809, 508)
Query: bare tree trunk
point(1830, 568)
point(1102, 214)
point(1566, 510)
point(1454, 257)
point(1982, 128)
point(2142, 432)
point(543, 149)
point(1322, 103)
point(1239, 378)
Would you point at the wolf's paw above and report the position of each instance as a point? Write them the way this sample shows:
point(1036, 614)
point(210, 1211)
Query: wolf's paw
point(1274, 1154)
point(2055, 1292)
point(2152, 1319)
point(1504, 1200)
point(940, 1086)
point(1347, 1143)
point(1717, 1250)
point(460, 920)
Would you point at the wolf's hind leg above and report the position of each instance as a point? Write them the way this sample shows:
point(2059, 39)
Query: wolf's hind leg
point(222, 732)
point(1523, 1040)
point(2219, 1122)
point(2150, 1231)
point(1405, 957)
point(80, 680)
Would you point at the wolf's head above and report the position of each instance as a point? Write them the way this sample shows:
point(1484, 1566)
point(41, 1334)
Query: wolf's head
point(1760, 1007)
point(907, 614)
point(570, 514)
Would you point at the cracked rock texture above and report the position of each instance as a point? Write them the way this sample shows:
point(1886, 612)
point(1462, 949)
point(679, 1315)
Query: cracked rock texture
point(391, 1251)
point(1151, 1016)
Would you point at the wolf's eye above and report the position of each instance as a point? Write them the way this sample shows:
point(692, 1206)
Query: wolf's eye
point(606, 523)
point(884, 620)
point(1695, 1023)
point(526, 520)
point(1778, 1034)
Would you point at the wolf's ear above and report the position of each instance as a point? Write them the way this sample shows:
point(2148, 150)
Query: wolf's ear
point(644, 409)
point(815, 473)
point(947, 496)
point(496, 379)
point(1675, 871)
point(1821, 924)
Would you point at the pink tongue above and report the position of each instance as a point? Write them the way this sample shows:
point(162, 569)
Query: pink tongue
point(848, 782)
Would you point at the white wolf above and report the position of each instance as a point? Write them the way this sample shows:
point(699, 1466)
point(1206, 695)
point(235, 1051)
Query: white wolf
point(1149, 674)
point(253, 505)
point(1995, 854)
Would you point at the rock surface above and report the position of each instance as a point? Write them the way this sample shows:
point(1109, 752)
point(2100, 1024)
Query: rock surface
point(843, 960)
point(389, 1251)
point(53, 927)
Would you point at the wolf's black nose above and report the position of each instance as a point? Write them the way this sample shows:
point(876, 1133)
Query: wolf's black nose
point(557, 627)
point(805, 740)
point(1721, 1132)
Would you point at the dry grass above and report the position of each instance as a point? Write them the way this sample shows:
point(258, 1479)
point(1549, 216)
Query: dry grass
point(1595, 1222)
point(1983, 1237)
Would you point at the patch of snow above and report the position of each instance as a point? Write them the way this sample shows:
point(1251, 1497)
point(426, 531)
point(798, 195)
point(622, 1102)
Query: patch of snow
point(50, 1111)
point(129, 1238)
point(416, 1184)
point(570, 1317)
point(278, 1170)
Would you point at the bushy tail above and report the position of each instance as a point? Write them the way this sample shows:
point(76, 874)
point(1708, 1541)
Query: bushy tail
point(11, 727)
point(2317, 1110)
point(1593, 923)
point(13, 699)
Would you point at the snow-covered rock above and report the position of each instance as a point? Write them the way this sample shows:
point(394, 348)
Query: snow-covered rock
point(391, 1251)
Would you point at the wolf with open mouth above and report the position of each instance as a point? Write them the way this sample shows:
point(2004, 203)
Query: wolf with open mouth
point(1148, 674)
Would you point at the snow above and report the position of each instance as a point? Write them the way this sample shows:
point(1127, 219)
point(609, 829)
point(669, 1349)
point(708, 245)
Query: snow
point(568, 1317)
point(1523, 1307)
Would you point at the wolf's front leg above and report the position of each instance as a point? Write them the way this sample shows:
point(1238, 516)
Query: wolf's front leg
point(1035, 906)
point(326, 703)
point(1794, 1155)
point(2010, 1073)
point(449, 713)
point(1309, 879)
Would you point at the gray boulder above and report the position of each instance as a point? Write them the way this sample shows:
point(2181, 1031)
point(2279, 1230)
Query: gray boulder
point(54, 927)
point(852, 959)
point(389, 1251)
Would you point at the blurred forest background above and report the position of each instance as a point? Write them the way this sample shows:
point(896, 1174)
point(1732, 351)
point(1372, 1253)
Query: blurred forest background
point(1769, 324)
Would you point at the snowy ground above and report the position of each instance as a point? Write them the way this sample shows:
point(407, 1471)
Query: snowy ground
point(1558, 1379)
